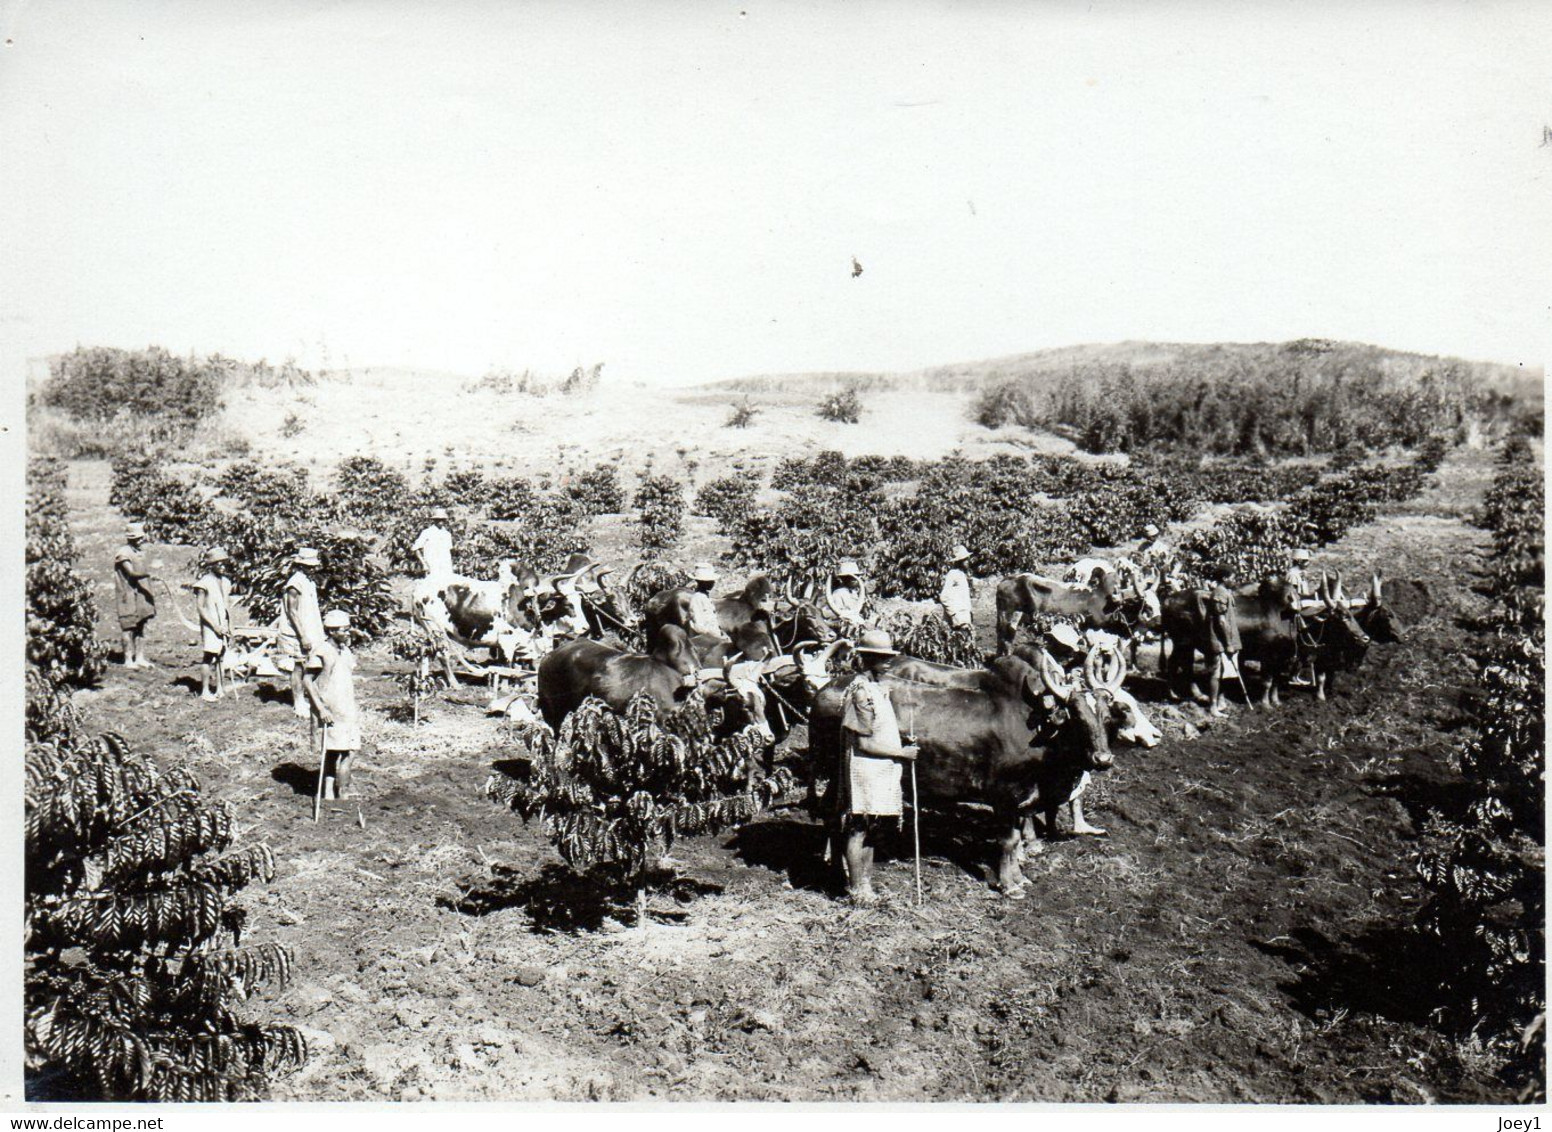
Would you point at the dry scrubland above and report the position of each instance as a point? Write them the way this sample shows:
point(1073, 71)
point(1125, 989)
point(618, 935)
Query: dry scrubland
point(1237, 937)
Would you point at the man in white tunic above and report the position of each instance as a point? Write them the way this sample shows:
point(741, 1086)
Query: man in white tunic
point(214, 590)
point(330, 683)
point(301, 624)
point(955, 594)
point(847, 596)
point(703, 610)
point(872, 759)
point(434, 549)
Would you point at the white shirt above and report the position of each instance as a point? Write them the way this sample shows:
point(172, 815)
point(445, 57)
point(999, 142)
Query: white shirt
point(307, 625)
point(703, 614)
point(955, 596)
point(846, 603)
point(435, 547)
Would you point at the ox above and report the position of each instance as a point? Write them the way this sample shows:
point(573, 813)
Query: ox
point(672, 606)
point(1105, 605)
point(583, 668)
point(753, 605)
point(1273, 637)
point(995, 744)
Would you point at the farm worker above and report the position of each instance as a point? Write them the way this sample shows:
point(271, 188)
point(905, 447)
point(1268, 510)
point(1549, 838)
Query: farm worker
point(1063, 644)
point(847, 595)
point(873, 757)
point(956, 591)
point(1304, 596)
point(1156, 553)
point(434, 550)
point(301, 627)
point(132, 584)
point(1223, 643)
point(214, 591)
point(330, 683)
point(703, 611)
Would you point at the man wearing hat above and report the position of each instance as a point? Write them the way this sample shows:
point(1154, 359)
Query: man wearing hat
point(301, 626)
point(330, 684)
point(703, 611)
point(1304, 599)
point(1222, 643)
point(956, 591)
point(132, 587)
point(1153, 551)
point(872, 761)
point(214, 590)
point(434, 550)
point(847, 596)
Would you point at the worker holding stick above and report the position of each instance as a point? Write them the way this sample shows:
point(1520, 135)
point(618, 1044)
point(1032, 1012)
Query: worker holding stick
point(329, 681)
point(872, 764)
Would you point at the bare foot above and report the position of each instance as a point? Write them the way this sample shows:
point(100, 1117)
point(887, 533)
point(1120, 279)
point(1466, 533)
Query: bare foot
point(1084, 829)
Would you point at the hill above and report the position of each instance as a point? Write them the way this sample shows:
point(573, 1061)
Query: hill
point(1038, 370)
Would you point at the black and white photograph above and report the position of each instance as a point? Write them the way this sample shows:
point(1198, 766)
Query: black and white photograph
point(833, 553)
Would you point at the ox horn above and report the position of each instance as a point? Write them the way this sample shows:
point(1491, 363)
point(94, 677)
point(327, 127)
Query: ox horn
point(1374, 588)
point(1051, 673)
point(786, 591)
point(1094, 667)
point(1336, 590)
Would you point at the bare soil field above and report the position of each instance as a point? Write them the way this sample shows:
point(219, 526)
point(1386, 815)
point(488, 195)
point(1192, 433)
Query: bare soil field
point(1233, 939)
point(405, 417)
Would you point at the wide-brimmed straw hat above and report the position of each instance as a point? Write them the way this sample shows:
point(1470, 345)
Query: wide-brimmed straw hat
point(439, 512)
point(307, 556)
point(217, 554)
point(336, 619)
point(1150, 530)
point(1301, 555)
point(134, 531)
point(703, 572)
point(959, 553)
point(878, 642)
point(1066, 636)
point(847, 569)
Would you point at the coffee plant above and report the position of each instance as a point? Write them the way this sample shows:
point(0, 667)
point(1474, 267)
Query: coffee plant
point(172, 511)
point(650, 579)
point(660, 503)
point(929, 636)
point(727, 498)
point(615, 791)
point(262, 561)
point(62, 644)
point(135, 967)
point(596, 491)
point(281, 495)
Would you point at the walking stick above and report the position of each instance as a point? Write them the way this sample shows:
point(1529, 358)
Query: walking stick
point(323, 759)
point(916, 831)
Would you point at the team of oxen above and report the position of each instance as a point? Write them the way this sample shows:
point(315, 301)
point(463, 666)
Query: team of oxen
point(1019, 734)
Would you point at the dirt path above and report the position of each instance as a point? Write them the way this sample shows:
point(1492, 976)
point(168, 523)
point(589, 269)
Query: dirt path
point(1218, 946)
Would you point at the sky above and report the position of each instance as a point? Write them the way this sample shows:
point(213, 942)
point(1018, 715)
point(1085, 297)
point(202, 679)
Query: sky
point(678, 190)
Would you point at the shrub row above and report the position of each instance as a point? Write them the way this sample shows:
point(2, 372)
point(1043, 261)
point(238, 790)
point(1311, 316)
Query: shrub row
point(1484, 862)
point(62, 645)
